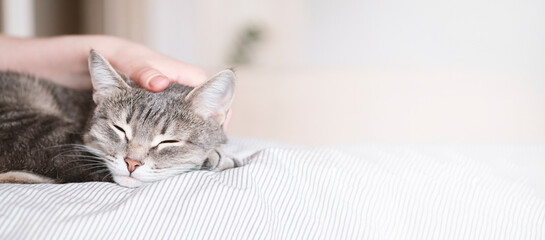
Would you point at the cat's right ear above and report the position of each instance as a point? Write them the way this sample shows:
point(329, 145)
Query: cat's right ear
point(106, 81)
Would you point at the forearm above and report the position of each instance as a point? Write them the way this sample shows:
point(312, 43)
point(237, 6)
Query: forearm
point(60, 59)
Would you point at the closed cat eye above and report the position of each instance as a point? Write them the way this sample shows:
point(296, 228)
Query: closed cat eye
point(164, 142)
point(169, 141)
point(120, 129)
point(123, 131)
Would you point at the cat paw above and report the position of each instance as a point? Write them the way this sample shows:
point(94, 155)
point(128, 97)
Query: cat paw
point(218, 161)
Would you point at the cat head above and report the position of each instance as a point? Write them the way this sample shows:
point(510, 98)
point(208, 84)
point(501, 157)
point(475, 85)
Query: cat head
point(144, 136)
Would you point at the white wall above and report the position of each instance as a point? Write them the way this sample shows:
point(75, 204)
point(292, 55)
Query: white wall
point(485, 36)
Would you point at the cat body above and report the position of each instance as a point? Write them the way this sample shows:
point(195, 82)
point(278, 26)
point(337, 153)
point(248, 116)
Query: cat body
point(117, 132)
point(38, 121)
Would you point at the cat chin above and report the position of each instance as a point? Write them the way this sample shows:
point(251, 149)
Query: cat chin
point(127, 181)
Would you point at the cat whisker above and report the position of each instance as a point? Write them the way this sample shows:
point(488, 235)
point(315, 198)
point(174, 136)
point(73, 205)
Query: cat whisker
point(174, 171)
point(83, 159)
point(70, 153)
point(88, 157)
point(83, 156)
point(88, 166)
point(107, 175)
point(72, 148)
point(99, 171)
point(62, 153)
point(84, 168)
point(168, 170)
point(95, 168)
point(79, 147)
point(64, 145)
point(75, 164)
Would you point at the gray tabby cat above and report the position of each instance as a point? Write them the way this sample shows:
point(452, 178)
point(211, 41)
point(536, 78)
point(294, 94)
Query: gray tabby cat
point(119, 132)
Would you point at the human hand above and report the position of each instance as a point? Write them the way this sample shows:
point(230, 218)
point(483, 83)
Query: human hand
point(152, 70)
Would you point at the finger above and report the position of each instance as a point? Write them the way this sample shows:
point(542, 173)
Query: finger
point(150, 79)
point(191, 76)
point(158, 83)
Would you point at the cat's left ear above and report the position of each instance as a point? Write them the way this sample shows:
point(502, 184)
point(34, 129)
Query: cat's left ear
point(213, 98)
point(106, 81)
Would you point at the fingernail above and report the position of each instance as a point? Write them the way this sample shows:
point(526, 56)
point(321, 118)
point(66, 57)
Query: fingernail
point(157, 82)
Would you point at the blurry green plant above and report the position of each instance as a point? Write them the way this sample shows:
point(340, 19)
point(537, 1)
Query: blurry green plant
point(246, 44)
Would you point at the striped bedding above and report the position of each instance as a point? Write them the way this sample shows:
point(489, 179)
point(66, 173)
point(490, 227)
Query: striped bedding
point(365, 191)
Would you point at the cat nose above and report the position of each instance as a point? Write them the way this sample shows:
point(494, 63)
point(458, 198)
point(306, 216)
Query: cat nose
point(132, 164)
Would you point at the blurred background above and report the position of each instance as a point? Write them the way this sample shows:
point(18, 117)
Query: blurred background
point(324, 72)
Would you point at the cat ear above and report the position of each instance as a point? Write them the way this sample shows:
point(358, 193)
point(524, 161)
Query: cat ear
point(213, 98)
point(104, 77)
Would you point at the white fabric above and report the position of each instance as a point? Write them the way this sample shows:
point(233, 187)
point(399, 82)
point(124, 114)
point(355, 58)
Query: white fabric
point(367, 191)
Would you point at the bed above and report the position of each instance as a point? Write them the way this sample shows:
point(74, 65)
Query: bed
point(362, 191)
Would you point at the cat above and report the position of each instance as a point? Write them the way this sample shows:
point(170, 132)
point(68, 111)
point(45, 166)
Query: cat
point(117, 132)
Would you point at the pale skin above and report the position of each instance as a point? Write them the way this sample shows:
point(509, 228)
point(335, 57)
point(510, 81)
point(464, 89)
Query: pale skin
point(63, 60)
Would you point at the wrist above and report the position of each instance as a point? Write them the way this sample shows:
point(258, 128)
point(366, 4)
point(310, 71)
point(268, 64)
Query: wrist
point(75, 49)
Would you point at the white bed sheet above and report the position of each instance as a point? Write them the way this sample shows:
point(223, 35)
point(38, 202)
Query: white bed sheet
point(365, 191)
